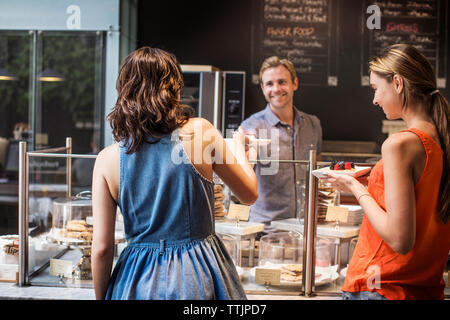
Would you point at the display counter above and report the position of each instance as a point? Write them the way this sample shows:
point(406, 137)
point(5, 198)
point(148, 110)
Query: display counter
point(303, 259)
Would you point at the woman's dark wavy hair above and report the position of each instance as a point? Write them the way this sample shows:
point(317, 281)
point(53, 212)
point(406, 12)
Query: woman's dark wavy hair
point(148, 103)
point(419, 80)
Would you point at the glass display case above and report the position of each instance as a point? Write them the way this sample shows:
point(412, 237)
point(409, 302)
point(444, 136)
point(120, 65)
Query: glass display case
point(306, 261)
point(310, 253)
point(56, 226)
point(55, 240)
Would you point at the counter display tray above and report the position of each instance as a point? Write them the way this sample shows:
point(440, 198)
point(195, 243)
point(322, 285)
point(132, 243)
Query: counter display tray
point(327, 275)
point(56, 238)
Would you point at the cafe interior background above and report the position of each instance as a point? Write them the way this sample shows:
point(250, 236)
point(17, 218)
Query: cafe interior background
point(59, 62)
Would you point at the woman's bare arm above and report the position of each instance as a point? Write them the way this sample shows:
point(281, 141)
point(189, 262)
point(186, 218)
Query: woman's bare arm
point(104, 211)
point(234, 168)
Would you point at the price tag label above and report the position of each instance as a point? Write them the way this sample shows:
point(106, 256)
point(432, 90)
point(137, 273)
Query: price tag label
point(61, 268)
point(266, 276)
point(335, 213)
point(239, 211)
point(9, 273)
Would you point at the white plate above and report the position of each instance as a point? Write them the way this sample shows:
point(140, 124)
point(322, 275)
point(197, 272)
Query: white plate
point(65, 240)
point(359, 171)
point(327, 275)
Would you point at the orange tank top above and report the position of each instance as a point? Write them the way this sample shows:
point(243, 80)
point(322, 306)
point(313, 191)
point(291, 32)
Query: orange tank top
point(419, 273)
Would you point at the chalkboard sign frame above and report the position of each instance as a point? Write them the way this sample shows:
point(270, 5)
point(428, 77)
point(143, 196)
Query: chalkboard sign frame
point(440, 58)
point(331, 61)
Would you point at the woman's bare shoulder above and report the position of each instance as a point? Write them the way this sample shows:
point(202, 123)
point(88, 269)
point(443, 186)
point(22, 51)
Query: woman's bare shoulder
point(198, 128)
point(110, 150)
point(195, 123)
point(401, 139)
point(404, 144)
point(108, 156)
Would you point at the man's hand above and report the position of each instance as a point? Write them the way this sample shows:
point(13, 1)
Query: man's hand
point(251, 153)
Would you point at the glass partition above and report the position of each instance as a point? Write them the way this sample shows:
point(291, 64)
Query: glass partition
point(14, 105)
point(276, 263)
point(69, 90)
point(286, 251)
point(52, 86)
point(65, 98)
point(46, 183)
point(15, 51)
point(57, 223)
point(14, 80)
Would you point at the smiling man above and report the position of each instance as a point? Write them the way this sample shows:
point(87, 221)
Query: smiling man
point(293, 133)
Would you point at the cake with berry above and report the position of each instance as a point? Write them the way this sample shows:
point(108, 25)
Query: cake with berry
point(341, 165)
point(344, 167)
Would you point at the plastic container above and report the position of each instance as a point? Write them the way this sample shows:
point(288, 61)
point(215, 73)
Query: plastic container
point(231, 243)
point(281, 248)
point(287, 248)
point(324, 255)
point(67, 209)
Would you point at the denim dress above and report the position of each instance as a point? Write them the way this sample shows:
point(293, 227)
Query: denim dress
point(173, 251)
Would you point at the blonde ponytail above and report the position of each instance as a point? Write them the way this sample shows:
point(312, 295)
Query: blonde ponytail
point(440, 114)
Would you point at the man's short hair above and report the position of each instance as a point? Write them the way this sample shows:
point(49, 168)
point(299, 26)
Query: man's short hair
point(275, 61)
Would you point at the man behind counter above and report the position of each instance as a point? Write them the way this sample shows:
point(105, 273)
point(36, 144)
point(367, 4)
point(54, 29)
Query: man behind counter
point(293, 133)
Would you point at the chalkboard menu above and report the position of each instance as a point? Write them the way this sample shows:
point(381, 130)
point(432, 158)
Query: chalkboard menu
point(303, 31)
point(422, 24)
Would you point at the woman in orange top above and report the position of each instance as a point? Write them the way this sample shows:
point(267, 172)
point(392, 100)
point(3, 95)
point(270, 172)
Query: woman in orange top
point(404, 240)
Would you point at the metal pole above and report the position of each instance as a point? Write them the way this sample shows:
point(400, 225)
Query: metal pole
point(217, 101)
point(60, 155)
point(310, 228)
point(23, 214)
point(34, 89)
point(69, 167)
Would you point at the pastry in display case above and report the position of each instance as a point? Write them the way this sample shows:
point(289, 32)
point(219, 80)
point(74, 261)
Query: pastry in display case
point(221, 198)
point(39, 251)
point(70, 218)
point(72, 226)
point(68, 243)
point(58, 251)
point(284, 251)
point(281, 248)
point(219, 209)
point(9, 257)
point(327, 196)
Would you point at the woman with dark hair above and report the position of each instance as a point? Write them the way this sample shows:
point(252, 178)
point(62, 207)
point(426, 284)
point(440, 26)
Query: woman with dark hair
point(404, 240)
point(159, 173)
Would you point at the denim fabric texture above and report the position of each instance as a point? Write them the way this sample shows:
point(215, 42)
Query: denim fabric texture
point(363, 295)
point(172, 251)
point(281, 195)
